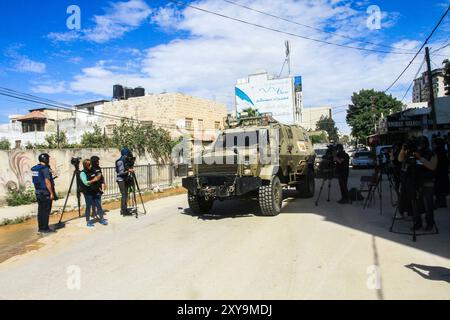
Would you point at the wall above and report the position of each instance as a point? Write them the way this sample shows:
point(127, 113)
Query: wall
point(16, 164)
point(166, 110)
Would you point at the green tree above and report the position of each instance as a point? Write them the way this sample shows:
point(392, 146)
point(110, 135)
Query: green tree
point(366, 110)
point(344, 140)
point(95, 139)
point(327, 124)
point(55, 141)
point(319, 138)
point(447, 76)
point(5, 144)
point(144, 138)
point(251, 112)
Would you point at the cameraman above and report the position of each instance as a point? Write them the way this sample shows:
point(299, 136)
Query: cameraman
point(419, 166)
point(124, 169)
point(91, 187)
point(45, 191)
point(342, 160)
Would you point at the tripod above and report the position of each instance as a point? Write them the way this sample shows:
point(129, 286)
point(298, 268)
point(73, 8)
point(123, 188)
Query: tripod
point(132, 196)
point(414, 234)
point(327, 177)
point(75, 177)
point(377, 186)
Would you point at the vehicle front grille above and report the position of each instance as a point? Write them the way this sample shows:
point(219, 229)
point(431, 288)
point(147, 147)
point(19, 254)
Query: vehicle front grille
point(218, 168)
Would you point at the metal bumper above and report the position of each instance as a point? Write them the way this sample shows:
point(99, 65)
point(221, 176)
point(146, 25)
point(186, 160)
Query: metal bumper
point(221, 186)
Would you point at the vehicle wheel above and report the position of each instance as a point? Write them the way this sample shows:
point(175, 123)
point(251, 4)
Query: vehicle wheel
point(199, 205)
point(270, 198)
point(307, 187)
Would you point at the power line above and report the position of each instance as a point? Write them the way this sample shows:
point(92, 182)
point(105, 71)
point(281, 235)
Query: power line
point(51, 103)
point(415, 77)
point(418, 52)
point(288, 33)
point(313, 28)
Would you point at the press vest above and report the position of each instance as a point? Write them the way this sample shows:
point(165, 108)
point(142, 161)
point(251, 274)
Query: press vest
point(37, 173)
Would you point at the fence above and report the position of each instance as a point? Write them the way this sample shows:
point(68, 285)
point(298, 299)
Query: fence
point(148, 177)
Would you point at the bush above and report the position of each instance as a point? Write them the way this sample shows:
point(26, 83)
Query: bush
point(20, 197)
point(5, 144)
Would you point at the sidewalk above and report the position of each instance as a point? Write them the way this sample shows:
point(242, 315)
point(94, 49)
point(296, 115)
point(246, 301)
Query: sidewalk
point(30, 210)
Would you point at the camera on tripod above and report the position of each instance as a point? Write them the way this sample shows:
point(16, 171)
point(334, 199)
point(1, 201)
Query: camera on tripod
point(76, 162)
point(327, 165)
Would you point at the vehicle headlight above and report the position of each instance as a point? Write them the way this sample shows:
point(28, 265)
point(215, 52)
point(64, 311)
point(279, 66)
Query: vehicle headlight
point(190, 173)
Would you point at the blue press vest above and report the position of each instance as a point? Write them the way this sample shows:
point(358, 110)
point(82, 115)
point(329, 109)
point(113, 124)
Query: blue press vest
point(38, 177)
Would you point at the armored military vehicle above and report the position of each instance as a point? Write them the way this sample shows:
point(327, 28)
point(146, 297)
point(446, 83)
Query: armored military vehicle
point(253, 158)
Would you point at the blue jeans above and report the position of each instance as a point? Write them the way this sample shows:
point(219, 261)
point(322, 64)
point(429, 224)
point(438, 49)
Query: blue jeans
point(93, 200)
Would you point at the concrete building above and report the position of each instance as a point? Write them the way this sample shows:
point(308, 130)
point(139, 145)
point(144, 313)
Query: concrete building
point(175, 112)
point(310, 116)
point(178, 113)
point(420, 89)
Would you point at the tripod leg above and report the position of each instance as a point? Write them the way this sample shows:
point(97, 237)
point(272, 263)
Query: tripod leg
point(329, 189)
point(394, 219)
point(67, 198)
point(140, 194)
point(320, 192)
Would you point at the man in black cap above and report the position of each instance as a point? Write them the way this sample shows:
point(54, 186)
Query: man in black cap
point(45, 191)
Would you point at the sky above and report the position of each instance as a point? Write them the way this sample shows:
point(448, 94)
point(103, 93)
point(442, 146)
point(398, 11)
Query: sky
point(169, 47)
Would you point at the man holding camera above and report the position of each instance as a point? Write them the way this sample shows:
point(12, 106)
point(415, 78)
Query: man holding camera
point(427, 163)
point(124, 170)
point(45, 191)
point(342, 160)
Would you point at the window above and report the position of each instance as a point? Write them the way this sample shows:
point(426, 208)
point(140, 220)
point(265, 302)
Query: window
point(110, 129)
point(33, 126)
point(217, 125)
point(200, 124)
point(189, 123)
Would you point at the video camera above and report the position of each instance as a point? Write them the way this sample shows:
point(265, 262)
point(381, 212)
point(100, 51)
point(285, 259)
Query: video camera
point(75, 162)
point(327, 165)
point(130, 161)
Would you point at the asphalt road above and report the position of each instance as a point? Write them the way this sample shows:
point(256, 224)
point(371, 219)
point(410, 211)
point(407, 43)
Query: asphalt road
point(307, 252)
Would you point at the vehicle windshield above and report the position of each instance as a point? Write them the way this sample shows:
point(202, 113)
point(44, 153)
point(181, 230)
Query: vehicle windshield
point(321, 152)
point(244, 139)
point(362, 155)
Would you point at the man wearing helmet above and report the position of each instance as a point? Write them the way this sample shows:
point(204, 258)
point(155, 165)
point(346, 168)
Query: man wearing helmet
point(45, 194)
point(124, 181)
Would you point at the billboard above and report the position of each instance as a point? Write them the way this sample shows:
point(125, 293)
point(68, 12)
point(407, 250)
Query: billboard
point(278, 96)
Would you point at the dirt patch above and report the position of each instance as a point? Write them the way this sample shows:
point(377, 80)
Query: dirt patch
point(21, 238)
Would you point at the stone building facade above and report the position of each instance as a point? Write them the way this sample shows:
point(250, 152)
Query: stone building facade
point(174, 112)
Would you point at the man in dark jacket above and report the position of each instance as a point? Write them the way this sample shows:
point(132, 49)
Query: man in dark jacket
point(45, 191)
point(124, 178)
point(342, 160)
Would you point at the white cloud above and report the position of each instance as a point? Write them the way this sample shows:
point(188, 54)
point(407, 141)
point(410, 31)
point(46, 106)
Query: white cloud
point(22, 63)
point(25, 64)
point(50, 87)
point(220, 51)
point(119, 18)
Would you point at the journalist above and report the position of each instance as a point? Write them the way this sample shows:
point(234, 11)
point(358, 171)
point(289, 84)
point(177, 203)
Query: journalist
point(95, 162)
point(45, 191)
point(342, 160)
point(124, 169)
point(91, 188)
point(426, 166)
point(442, 184)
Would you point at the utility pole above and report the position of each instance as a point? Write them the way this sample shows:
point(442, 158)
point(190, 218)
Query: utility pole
point(431, 102)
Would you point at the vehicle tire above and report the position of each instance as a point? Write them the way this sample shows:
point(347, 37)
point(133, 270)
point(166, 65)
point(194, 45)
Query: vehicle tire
point(307, 187)
point(199, 205)
point(270, 198)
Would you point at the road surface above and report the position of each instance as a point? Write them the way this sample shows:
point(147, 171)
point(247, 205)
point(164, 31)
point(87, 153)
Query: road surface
point(307, 252)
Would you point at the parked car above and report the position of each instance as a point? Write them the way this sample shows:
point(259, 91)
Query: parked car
point(382, 153)
point(363, 159)
point(320, 152)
